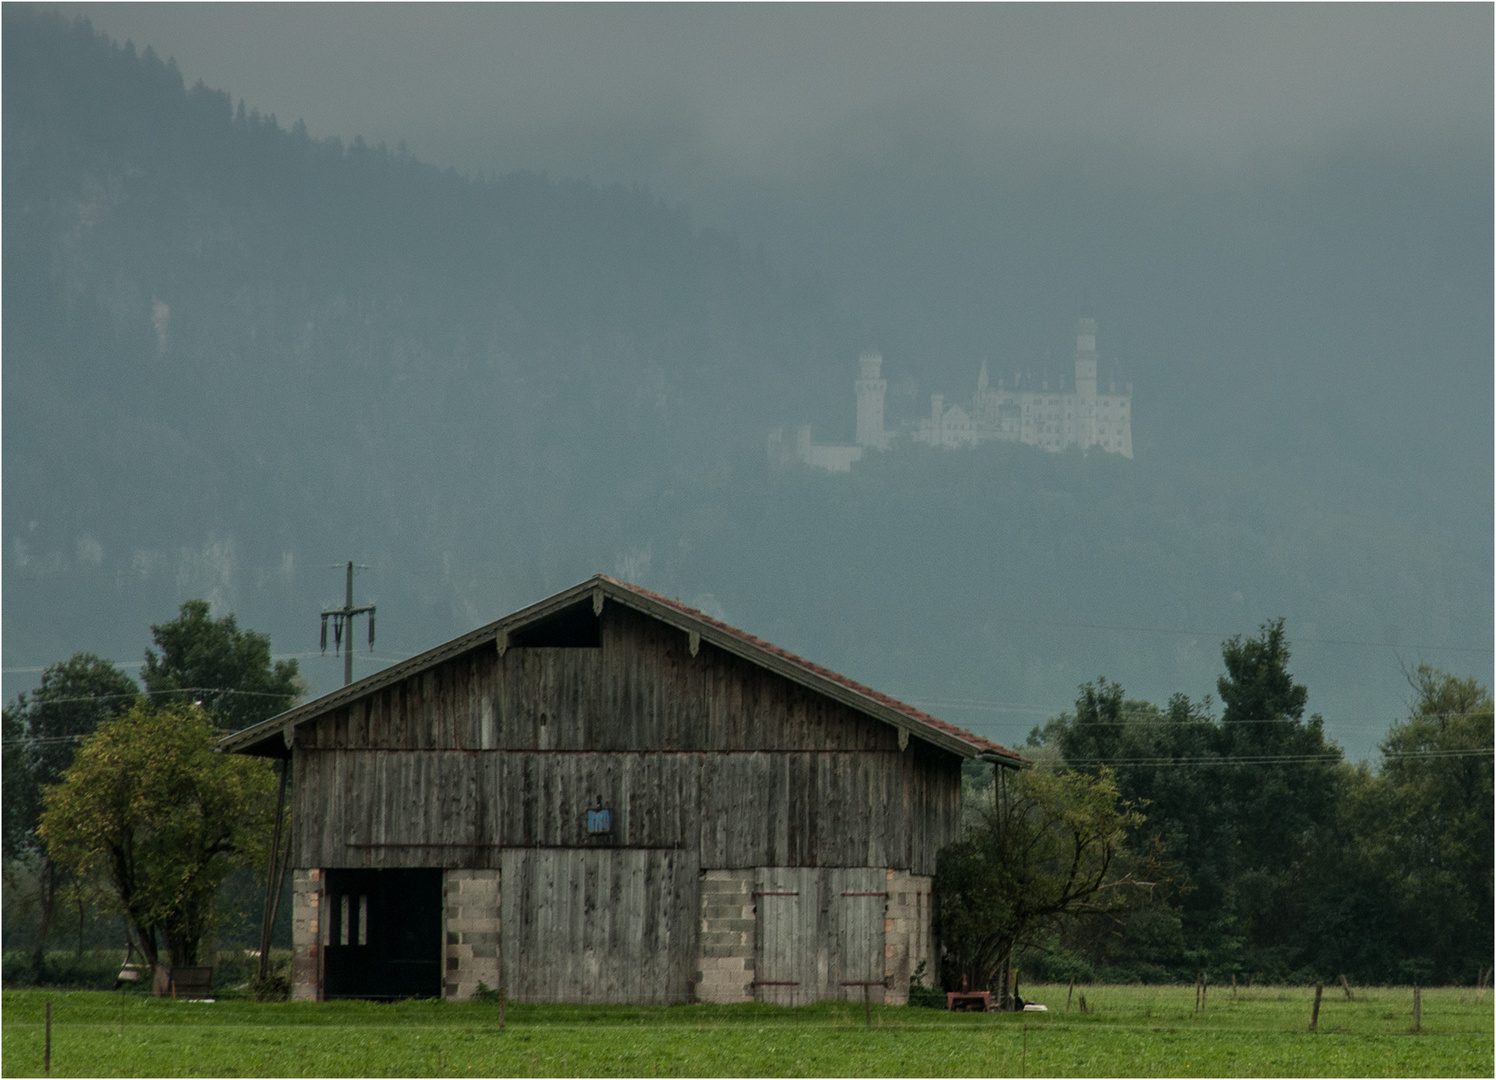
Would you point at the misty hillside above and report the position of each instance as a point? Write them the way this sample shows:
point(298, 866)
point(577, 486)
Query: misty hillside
point(211, 314)
point(236, 355)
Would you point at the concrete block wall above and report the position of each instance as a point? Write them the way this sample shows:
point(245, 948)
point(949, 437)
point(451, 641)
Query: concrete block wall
point(472, 933)
point(306, 934)
point(724, 971)
point(906, 933)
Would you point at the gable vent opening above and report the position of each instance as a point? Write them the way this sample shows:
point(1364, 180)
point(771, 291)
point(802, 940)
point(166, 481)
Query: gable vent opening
point(574, 627)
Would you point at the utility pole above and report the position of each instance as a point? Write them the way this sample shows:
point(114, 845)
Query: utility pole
point(342, 618)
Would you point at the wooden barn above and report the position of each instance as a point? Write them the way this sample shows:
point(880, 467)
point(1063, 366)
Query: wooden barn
point(610, 797)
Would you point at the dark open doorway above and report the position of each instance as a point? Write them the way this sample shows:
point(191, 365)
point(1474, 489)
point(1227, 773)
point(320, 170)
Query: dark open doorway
point(384, 934)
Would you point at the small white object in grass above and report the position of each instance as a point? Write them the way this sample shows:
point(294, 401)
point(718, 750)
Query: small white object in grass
point(1031, 1007)
point(203, 1001)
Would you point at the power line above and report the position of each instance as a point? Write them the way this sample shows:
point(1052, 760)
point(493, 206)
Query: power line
point(1222, 635)
point(1203, 723)
point(1275, 759)
point(1017, 707)
point(277, 656)
point(220, 691)
point(1340, 723)
point(985, 706)
point(46, 667)
point(138, 663)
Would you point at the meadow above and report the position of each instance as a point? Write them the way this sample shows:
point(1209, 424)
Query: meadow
point(1127, 1031)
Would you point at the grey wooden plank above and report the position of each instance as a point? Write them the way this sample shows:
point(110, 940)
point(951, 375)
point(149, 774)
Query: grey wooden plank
point(711, 824)
point(331, 841)
point(650, 869)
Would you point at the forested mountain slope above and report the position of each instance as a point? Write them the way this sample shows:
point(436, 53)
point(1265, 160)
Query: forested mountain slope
point(229, 345)
point(235, 355)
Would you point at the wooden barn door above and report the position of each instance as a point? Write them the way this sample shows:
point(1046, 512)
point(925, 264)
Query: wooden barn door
point(603, 926)
point(858, 906)
point(787, 956)
point(819, 934)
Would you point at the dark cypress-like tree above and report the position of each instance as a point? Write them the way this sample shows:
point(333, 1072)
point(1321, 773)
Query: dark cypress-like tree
point(42, 733)
point(213, 662)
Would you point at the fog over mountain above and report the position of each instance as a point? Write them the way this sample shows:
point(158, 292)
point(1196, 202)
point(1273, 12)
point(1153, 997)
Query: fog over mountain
point(503, 296)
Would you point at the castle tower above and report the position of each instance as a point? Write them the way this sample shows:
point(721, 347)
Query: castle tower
point(871, 389)
point(1085, 382)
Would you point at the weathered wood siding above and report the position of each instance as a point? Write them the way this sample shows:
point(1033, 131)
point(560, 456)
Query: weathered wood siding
point(604, 927)
point(450, 808)
point(710, 754)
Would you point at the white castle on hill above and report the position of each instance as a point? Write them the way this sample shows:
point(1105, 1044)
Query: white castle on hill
point(1025, 412)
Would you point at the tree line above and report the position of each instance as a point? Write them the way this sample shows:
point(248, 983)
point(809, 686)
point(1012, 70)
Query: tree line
point(1156, 844)
point(116, 801)
point(1144, 844)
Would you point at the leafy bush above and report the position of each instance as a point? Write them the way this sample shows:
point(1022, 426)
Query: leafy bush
point(94, 970)
point(275, 986)
point(922, 996)
point(1057, 966)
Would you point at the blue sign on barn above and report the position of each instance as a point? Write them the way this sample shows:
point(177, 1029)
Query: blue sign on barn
point(599, 821)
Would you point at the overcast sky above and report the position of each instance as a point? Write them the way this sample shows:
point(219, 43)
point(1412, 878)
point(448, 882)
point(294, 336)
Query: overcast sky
point(686, 98)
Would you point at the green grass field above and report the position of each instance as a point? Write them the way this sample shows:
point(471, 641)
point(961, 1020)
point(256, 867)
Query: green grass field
point(1133, 1031)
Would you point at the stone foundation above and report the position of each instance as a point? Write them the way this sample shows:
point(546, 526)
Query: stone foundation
point(471, 933)
point(306, 934)
point(725, 965)
point(906, 933)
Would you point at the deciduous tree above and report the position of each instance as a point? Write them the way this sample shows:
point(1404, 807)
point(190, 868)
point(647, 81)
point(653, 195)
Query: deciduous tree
point(149, 807)
point(1046, 850)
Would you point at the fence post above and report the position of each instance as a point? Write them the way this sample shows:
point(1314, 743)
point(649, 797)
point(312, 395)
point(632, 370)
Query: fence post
point(501, 1008)
point(47, 1051)
point(1319, 990)
point(1069, 994)
point(1417, 1009)
point(1233, 986)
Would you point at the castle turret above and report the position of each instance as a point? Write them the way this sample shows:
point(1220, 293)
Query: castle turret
point(1085, 358)
point(871, 389)
point(1085, 382)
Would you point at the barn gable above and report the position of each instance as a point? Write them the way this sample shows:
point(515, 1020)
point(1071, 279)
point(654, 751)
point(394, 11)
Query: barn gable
point(604, 782)
point(411, 704)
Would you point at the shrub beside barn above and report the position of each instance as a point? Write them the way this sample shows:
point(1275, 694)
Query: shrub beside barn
point(610, 797)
